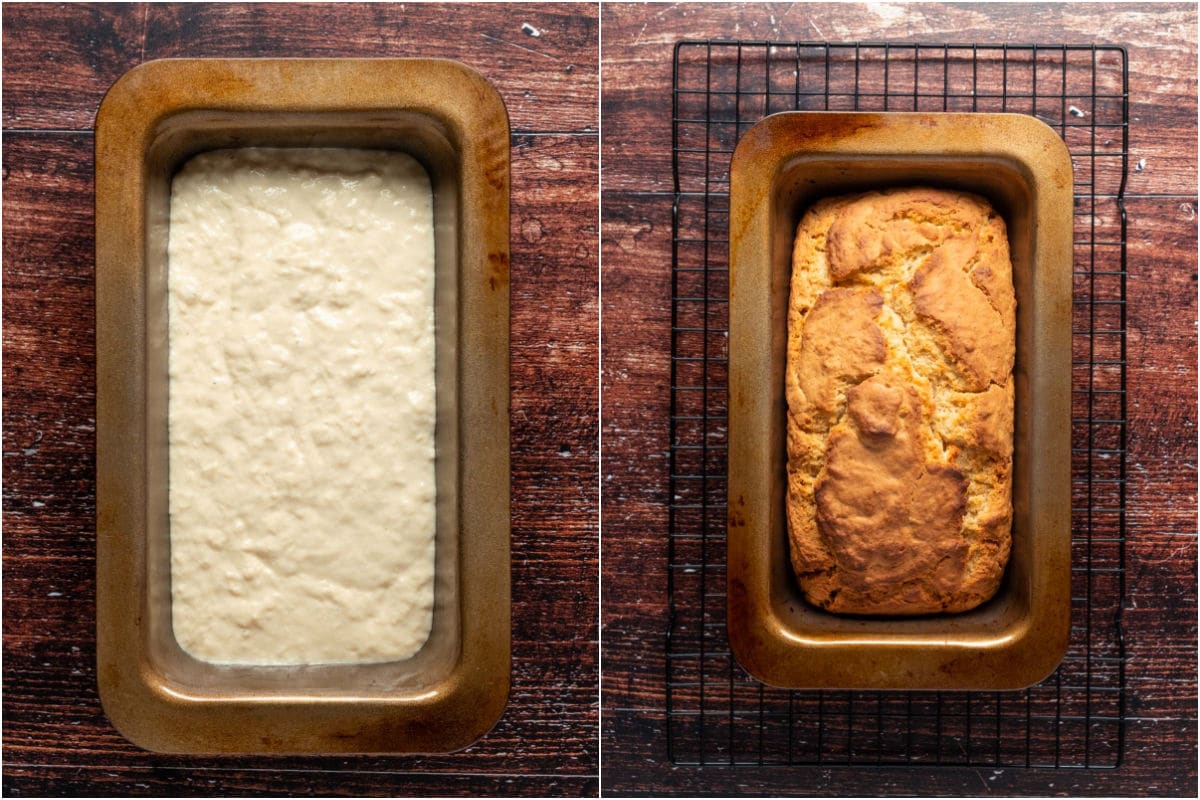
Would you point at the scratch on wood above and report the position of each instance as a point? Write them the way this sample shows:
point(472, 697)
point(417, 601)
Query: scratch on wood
point(145, 28)
point(491, 38)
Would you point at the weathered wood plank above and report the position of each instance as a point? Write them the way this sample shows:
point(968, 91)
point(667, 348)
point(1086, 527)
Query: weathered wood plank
point(60, 59)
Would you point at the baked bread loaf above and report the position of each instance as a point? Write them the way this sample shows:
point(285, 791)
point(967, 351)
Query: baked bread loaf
point(901, 336)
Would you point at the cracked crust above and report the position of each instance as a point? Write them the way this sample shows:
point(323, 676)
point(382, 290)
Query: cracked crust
point(901, 337)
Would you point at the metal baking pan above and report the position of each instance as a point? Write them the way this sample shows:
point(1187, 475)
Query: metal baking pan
point(782, 165)
point(453, 690)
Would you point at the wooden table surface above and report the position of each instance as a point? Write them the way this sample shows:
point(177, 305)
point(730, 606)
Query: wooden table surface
point(58, 62)
point(1160, 607)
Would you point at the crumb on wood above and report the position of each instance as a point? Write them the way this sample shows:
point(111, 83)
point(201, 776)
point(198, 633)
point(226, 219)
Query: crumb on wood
point(1141, 165)
point(1077, 112)
point(529, 30)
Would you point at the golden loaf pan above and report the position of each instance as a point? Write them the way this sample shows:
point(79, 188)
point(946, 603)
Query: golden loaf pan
point(780, 167)
point(453, 690)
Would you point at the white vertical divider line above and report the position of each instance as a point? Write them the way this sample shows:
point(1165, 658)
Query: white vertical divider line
point(599, 399)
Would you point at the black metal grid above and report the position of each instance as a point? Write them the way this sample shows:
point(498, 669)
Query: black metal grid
point(716, 713)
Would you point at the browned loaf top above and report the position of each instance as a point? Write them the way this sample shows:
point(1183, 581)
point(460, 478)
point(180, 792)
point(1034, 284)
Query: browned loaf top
point(900, 402)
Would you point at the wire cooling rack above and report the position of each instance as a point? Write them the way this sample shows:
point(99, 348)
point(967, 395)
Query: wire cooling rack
point(716, 713)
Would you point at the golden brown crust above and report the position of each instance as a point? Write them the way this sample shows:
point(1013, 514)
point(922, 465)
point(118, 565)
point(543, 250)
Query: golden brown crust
point(841, 344)
point(969, 330)
point(900, 402)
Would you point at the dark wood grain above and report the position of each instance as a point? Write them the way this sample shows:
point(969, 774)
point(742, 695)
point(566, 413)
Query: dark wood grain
point(57, 740)
point(1160, 615)
point(61, 59)
point(636, 254)
point(24, 781)
point(555, 70)
point(639, 43)
point(1159, 618)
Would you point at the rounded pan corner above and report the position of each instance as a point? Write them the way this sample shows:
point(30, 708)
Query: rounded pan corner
point(455, 93)
point(752, 655)
point(1033, 664)
point(115, 711)
point(124, 104)
point(133, 733)
point(1045, 153)
point(1044, 643)
point(1039, 133)
point(755, 638)
point(757, 152)
point(134, 712)
point(491, 101)
point(486, 717)
point(1033, 676)
point(115, 94)
point(472, 703)
point(1055, 653)
point(750, 144)
point(129, 81)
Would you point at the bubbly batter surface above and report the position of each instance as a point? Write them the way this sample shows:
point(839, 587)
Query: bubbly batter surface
point(302, 408)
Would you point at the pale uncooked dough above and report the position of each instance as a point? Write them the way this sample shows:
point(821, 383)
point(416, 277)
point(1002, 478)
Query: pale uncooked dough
point(302, 406)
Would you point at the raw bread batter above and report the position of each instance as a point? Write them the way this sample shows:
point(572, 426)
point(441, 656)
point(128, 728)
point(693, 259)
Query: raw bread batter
point(301, 406)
